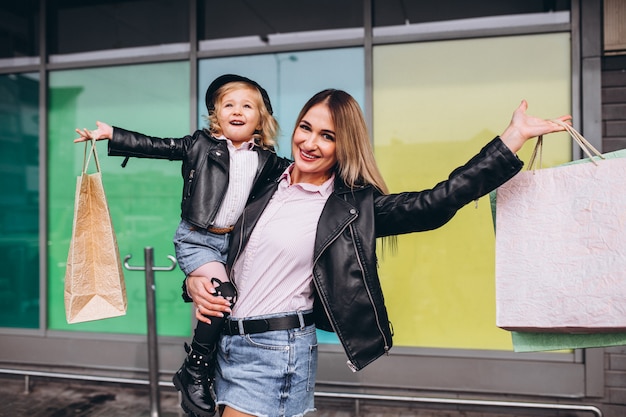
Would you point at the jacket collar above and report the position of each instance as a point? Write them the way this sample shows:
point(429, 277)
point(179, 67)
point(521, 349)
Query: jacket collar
point(341, 187)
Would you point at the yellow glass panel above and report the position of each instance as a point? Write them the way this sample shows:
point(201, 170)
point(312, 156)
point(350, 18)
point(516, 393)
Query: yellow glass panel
point(435, 105)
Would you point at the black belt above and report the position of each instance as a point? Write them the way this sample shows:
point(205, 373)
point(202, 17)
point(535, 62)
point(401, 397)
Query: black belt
point(233, 327)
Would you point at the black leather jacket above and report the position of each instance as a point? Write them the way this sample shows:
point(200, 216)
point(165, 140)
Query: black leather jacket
point(205, 167)
point(349, 299)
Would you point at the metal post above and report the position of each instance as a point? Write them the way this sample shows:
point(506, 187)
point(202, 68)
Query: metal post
point(153, 347)
point(153, 351)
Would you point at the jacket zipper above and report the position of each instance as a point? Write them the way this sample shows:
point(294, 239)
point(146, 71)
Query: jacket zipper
point(190, 181)
point(349, 363)
point(369, 294)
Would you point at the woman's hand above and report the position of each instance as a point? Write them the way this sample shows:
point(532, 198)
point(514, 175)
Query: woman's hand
point(524, 127)
point(103, 131)
point(207, 304)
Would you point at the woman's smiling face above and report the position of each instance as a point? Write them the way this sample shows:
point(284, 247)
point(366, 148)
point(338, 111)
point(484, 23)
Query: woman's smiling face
point(313, 147)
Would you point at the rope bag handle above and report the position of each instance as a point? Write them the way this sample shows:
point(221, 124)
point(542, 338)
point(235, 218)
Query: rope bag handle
point(584, 144)
point(87, 155)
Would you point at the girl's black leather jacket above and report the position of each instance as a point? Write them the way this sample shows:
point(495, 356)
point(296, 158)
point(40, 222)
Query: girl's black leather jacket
point(349, 299)
point(205, 167)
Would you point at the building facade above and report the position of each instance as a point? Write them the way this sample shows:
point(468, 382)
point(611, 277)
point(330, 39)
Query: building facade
point(435, 81)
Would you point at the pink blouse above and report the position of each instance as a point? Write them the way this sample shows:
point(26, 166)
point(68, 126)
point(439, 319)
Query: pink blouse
point(274, 273)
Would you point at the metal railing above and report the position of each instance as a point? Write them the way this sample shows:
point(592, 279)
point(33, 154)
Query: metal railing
point(462, 402)
point(323, 394)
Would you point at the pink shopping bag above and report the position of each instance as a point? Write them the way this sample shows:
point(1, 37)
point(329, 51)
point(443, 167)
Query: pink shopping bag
point(561, 248)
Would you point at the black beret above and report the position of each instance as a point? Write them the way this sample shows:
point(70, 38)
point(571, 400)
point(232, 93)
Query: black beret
point(229, 78)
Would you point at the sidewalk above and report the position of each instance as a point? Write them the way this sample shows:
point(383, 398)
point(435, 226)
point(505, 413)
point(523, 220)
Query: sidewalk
point(60, 398)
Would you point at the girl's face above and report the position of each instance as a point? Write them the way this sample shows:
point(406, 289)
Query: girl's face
point(238, 115)
point(313, 147)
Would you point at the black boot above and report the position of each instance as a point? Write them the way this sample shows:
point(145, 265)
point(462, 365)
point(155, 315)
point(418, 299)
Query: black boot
point(194, 380)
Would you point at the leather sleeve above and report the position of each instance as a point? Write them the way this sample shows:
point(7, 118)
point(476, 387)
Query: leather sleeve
point(429, 209)
point(133, 144)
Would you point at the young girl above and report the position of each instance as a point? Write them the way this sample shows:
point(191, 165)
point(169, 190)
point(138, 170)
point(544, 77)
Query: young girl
point(220, 168)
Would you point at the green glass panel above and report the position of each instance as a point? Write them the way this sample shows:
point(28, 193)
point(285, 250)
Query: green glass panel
point(19, 201)
point(144, 198)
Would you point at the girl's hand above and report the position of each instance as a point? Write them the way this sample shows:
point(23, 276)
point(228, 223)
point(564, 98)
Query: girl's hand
point(103, 131)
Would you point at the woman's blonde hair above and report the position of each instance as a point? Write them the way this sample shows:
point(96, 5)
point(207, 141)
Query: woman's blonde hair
point(355, 157)
point(266, 135)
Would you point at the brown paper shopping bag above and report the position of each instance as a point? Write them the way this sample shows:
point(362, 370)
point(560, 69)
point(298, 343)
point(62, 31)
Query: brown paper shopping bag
point(560, 247)
point(94, 281)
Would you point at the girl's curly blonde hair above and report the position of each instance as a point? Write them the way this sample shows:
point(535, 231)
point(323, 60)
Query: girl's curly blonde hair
point(266, 135)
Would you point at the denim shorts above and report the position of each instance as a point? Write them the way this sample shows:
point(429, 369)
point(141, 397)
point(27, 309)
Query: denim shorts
point(270, 374)
point(195, 247)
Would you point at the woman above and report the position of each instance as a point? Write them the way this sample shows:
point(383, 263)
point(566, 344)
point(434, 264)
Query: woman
point(303, 254)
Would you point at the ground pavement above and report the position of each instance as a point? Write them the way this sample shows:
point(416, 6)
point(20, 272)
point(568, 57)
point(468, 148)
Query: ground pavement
point(64, 398)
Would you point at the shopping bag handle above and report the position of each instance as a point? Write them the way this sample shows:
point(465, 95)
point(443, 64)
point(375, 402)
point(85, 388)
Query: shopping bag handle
point(584, 144)
point(87, 155)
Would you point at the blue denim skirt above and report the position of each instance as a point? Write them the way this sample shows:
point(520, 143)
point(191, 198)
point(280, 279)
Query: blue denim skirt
point(196, 247)
point(270, 374)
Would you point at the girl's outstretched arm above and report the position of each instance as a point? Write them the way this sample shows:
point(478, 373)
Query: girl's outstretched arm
point(103, 131)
